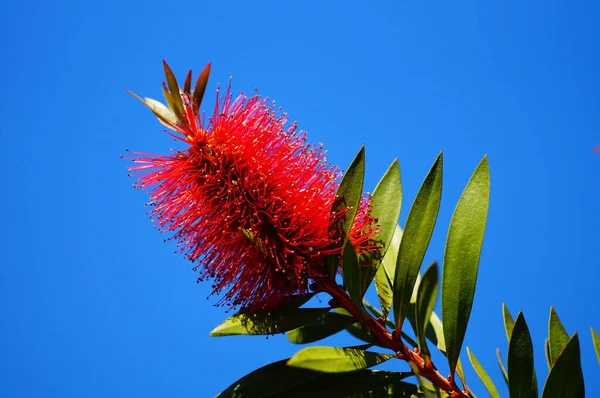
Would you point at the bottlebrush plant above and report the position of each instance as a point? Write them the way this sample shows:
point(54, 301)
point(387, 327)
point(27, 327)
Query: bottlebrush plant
point(261, 213)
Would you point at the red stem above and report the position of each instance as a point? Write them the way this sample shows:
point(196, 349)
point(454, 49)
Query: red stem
point(384, 338)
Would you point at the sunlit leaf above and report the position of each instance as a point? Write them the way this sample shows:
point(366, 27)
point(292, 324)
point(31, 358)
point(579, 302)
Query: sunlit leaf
point(461, 259)
point(384, 278)
point(386, 203)
point(547, 352)
point(326, 325)
point(349, 193)
point(426, 299)
point(521, 382)
point(508, 321)
point(596, 341)
point(501, 365)
point(483, 376)
point(557, 336)
point(336, 360)
point(565, 379)
point(174, 91)
point(352, 272)
point(415, 239)
point(277, 380)
point(162, 112)
point(267, 322)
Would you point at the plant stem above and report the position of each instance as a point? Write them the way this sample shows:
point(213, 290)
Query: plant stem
point(422, 367)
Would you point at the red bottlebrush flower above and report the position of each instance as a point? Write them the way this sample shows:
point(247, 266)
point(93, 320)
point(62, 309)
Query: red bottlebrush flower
point(248, 200)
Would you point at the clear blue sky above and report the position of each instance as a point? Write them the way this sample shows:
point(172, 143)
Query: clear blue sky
point(94, 304)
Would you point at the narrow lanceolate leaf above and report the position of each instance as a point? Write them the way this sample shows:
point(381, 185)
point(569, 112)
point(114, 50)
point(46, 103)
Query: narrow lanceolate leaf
point(566, 377)
point(415, 239)
point(187, 85)
point(483, 376)
point(200, 86)
point(277, 380)
point(387, 202)
point(326, 325)
point(267, 322)
point(336, 360)
point(508, 321)
point(174, 90)
point(350, 191)
point(557, 336)
point(547, 352)
point(162, 112)
point(426, 299)
point(385, 274)
point(520, 361)
point(501, 365)
point(596, 341)
point(351, 273)
point(461, 259)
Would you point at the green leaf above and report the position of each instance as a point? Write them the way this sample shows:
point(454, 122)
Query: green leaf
point(336, 360)
point(326, 325)
point(461, 259)
point(378, 314)
point(429, 390)
point(200, 87)
point(501, 364)
point(426, 299)
point(483, 376)
point(508, 321)
point(385, 274)
point(566, 377)
point(415, 239)
point(174, 91)
point(349, 193)
point(359, 331)
point(521, 381)
point(352, 274)
point(547, 352)
point(277, 380)
point(162, 112)
point(557, 336)
point(596, 341)
point(267, 322)
point(387, 202)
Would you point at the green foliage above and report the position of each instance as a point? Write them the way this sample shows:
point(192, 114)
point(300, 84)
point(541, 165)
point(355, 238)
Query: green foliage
point(426, 299)
point(557, 337)
point(415, 239)
point(483, 376)
point(521, 380)
point(268, 322)
point(336, 360)
point(461, 259)
point(322, 371)
point(347, 200)
point(277, 380)
point(353, 274)
point(350, 191)
point(508, 321)
point(566, 378)
point(326, 325)
point(596, 341)
point(387, 202)
point(385, 274)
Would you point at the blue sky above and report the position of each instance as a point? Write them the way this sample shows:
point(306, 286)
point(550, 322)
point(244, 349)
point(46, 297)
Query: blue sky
point(94, 304)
